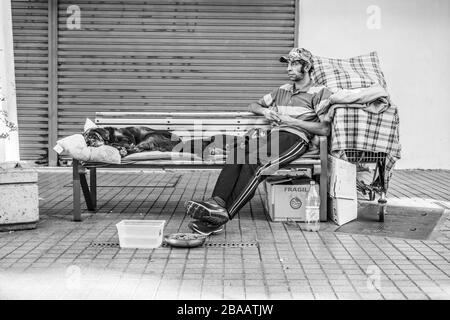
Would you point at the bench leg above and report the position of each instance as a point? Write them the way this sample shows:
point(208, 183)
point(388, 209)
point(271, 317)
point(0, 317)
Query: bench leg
point(93, 183)
point(323, 195)
point(323, 179)
point(76, 191)
point(86, 191)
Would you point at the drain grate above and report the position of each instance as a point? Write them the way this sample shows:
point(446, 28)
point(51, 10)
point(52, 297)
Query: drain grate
point(206, 244)
point(231, 244)
point(225, 244)
point(104, 245)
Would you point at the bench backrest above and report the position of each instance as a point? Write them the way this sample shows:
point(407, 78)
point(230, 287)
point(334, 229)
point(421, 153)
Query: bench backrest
point(186, 124)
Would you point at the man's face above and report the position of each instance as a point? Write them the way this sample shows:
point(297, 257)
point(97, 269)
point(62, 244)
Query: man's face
point(295, 71)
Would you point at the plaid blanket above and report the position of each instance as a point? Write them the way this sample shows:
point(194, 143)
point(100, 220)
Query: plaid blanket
point(357, 72)
point(355, 128)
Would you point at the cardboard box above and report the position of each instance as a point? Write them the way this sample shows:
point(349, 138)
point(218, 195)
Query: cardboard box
point(343, 203)
point(286, 200)
point(341, 178)
point(342, 210)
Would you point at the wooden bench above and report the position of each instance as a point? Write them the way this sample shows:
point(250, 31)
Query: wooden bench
point(189, 125)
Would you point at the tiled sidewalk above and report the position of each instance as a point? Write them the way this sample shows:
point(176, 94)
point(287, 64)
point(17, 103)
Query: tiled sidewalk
point(253, 259)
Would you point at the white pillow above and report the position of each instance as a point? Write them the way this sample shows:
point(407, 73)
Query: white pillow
point(89, 124)
point(77, 148)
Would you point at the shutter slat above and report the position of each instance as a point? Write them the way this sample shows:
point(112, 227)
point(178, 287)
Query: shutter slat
point(147, 55)
point(30, 24)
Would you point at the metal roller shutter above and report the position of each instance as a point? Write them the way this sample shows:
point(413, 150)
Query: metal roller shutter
point(30, 34)
point(169, 55)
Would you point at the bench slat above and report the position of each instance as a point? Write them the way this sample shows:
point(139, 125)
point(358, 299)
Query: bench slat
point(210, 128)
point(166, 162)
point(207, 115)
point(186, 121)
point(206, 134)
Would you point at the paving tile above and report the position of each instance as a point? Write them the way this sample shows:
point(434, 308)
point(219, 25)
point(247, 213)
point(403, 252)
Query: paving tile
point(303, 296)
point(394, 296)
point(287, 264)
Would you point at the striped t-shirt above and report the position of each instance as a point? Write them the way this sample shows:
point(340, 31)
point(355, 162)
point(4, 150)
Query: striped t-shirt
point(297, 104)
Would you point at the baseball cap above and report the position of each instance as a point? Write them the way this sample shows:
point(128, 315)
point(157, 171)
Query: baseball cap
point(297, 54)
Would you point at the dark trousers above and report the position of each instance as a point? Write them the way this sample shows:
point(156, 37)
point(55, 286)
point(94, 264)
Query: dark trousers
point(239, 180)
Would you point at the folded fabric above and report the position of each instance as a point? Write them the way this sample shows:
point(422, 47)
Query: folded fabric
point(357, 72)
point(159, 155)
point(76, 147)
point(374, 99)
point(106, 154)
point(359, 95)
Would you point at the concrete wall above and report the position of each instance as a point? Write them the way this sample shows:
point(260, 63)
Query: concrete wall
point(9, 147)
point(412, 40)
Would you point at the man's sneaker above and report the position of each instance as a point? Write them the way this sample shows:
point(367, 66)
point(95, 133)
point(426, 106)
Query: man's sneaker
point(205, 228)
point(207, 211)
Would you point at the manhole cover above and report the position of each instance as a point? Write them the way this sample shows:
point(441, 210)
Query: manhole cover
point(400, 222)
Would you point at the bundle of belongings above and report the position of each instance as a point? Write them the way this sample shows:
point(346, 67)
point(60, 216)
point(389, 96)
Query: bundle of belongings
point(114, 145)
point(76, 146)
point(364, 116)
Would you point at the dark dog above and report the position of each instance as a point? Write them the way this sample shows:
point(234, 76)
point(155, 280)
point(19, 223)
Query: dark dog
point(137, 139)
point(132, 139)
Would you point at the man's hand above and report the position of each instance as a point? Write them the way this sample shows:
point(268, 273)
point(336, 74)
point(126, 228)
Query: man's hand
point(271, 115)
point(286, 119)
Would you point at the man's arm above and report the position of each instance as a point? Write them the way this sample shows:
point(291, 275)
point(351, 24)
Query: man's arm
point(262, 107)
point(322, 128)
point(256, 108)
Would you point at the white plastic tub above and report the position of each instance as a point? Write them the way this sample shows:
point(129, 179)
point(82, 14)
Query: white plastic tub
point(140, 233)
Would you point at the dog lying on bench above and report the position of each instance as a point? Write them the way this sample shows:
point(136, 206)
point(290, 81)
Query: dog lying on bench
point(131, 140)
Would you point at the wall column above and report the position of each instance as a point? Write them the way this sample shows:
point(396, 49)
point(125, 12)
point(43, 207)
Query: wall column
point(52, 81)
point(9, 146)
point(297, 23)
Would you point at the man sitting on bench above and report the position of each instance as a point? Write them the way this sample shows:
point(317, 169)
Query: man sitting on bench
point(291, 110)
